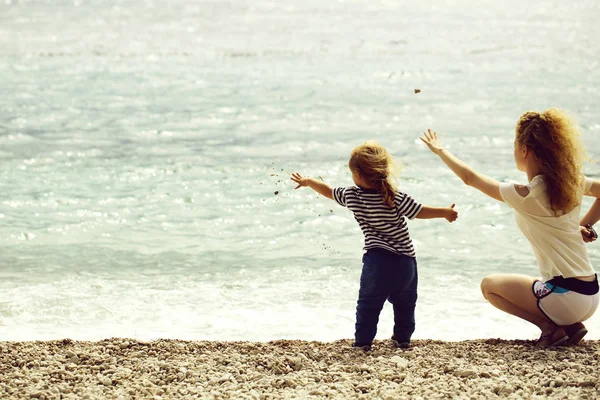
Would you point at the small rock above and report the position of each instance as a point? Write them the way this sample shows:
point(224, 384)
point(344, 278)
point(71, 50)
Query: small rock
point(105, 380)
point(559, 382)
point(465, 373)
point(363, 387)
point(162, 365)
point(400, 361)
point(586, 383)
point(364, 368)
point(147, 383)
point(503, 390)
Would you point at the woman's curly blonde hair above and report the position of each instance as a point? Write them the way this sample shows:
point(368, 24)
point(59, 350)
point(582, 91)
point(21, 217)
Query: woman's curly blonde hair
point(554, 140)
point(375, 165)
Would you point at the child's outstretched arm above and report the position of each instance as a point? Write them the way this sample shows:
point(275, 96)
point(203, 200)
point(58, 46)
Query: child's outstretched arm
point(438, 212)
point(469, 176)
point(318, 186)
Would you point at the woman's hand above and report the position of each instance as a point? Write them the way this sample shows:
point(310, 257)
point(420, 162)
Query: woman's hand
point(300, 180)
point(451, 214)
point(431, 140)
point(587, 234)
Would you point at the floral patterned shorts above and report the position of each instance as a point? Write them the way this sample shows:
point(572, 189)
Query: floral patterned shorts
point(563, 306)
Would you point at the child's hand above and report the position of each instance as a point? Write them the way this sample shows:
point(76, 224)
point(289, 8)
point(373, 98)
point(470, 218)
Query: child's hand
point(451, 214)
point(300, 180)
point(431, 140)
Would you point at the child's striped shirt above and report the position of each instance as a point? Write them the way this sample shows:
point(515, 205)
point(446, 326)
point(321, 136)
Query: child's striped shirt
point(382, 225)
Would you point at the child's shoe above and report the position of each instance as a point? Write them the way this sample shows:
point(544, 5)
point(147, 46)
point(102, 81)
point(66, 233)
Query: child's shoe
point(400, 344)
point(363, 347)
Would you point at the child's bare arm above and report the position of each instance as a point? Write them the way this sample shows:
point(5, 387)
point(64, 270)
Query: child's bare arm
point(438, 212)
point(317, 185)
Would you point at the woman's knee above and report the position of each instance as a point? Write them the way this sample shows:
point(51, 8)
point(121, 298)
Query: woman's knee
point(487, 285)
point(508, 286)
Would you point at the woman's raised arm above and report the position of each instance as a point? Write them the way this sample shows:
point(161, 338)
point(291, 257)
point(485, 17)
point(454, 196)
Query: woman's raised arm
point(469, 176)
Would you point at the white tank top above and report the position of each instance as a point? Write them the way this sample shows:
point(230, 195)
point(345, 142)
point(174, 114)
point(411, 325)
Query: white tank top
point(556, 241)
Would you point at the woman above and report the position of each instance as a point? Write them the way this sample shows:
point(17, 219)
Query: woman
point(548, 149)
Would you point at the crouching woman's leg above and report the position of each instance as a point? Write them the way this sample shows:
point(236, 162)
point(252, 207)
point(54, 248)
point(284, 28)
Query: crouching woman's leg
point(514, 294)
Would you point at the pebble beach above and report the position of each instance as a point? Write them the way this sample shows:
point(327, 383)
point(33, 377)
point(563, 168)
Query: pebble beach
point(290, 369)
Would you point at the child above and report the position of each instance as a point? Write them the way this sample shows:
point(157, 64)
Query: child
point(389, 265)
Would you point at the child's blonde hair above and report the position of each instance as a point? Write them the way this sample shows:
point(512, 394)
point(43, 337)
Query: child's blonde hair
point(375, 165)
point(554, 140)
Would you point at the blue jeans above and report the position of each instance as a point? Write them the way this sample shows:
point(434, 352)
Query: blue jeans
point(386, 276)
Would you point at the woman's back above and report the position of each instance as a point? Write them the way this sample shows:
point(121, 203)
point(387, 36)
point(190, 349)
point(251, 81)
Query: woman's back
point(556, 240)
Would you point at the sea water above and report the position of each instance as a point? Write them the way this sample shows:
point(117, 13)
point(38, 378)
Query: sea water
point(146, 149)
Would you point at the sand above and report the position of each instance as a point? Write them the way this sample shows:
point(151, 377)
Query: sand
point(165, 369)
